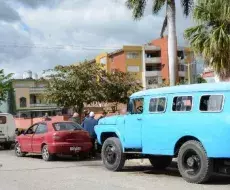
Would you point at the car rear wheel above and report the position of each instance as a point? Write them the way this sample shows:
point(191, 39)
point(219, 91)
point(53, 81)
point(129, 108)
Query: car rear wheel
point(160, 162)
point(112, 154)
point(193, 163)
point(18, 151)
point(46, 155)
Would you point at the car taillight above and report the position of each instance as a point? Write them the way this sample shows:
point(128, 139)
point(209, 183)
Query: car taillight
point(56, 137)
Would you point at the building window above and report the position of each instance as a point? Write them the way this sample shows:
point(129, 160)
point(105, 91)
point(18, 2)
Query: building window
point(181, 67)
point(153, 54)
point(133, 69)
point(132, 55)
point(180, 54)
point(182, 103)
point(152, 80)
point(22, 102)
point(211, 103)
point(154, 67)
point(157, 105)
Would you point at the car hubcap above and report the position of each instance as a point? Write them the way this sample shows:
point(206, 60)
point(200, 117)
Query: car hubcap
point(18, 150)
point(191, 162)
point(110, 154)
point(45, 153)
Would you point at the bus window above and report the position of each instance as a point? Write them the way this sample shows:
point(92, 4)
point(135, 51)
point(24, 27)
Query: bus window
point(211, 103)
point(2, 119)
point(182, 103)
point(157, 105)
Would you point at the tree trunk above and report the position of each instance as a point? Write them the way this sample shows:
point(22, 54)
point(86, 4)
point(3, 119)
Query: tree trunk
point(172, 41)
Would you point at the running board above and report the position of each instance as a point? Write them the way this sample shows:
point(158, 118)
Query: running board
point(133, 150)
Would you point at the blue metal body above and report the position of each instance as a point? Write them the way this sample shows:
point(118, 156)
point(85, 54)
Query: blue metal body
point(158, 133)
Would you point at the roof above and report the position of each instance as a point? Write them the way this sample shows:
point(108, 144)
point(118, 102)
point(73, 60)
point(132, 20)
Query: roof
point(205, 87)
point(115, 52)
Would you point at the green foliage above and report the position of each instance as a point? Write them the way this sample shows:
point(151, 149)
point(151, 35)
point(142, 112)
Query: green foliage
point(211, 36)
point(11, 101)
point(138, 8)
point(118, 86)
point(74, 86)
point(200, 79)
point(5, 85)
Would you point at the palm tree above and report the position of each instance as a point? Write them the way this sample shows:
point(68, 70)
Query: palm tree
point(211, 36)
point(138, 7)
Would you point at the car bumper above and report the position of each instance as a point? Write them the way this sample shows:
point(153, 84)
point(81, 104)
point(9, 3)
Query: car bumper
point(68, 148)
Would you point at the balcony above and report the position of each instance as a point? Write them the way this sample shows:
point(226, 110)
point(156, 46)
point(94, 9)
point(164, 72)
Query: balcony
point(152, 73)
point(152, 48)
point(153, 60)
point(43, 105)
point(182, 73)
point(37, 90)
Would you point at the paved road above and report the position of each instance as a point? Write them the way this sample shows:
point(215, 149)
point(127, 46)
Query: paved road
point(32, 173)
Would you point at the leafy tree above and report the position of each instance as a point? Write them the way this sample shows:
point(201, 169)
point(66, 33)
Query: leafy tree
point(138, 8)
point(72, 86)
point(5, 85)
point(211, 36)
point(11, 101)
point(118, 86)
point(200, 79)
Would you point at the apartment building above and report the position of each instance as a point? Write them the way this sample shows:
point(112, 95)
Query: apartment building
point(150, 62)
point(29, 98)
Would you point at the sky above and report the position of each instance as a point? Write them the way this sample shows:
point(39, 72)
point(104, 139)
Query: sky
point(36, 35)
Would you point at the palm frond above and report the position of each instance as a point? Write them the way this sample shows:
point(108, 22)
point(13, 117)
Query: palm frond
point(157, 5)
point(187, 6)
point(137, 7)
point(164, 26)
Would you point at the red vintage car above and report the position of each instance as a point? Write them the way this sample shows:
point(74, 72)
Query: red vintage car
point(52, 138)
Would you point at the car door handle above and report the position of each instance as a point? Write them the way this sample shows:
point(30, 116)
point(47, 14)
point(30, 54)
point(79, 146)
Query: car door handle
point(139, 119)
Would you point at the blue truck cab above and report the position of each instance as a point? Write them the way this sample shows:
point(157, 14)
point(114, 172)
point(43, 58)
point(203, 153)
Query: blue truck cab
point(187, 122)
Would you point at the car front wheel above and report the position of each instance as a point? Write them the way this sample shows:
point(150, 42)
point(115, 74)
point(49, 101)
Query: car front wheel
point(193, 163)
point(112, 154)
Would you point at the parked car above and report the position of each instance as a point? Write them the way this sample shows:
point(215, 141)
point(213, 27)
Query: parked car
point(7, 130)
point(53, 138)
point(188, 122)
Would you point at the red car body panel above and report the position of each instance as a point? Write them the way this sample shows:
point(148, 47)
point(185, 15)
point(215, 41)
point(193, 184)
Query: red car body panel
point(59, 142)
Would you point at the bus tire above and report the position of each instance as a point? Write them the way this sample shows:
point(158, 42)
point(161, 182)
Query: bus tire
point(193, 163)
point(112, 154)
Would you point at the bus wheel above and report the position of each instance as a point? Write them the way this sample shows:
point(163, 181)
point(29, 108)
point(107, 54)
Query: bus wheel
point(112, 154)
point(193, 163)
point(160, 162)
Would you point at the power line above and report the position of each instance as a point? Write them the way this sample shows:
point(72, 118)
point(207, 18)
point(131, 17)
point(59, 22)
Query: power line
point(57, 47)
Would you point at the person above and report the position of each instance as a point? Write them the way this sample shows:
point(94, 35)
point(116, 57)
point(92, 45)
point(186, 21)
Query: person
point(75, 118)
point(86, 115)
point(88, 125)
point(46, 117)
point(103, 115)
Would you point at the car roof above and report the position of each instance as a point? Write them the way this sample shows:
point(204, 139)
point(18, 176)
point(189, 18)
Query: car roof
point(205, 87)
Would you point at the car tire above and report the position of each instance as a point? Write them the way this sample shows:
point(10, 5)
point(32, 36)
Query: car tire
point(112, 154)
point(7, 146)
point(193, 163)
point(160, 162)
point(18, 151)
point(46, 154)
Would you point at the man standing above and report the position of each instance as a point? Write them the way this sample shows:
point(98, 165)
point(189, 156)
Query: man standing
point(75, 118)
point(89, 124)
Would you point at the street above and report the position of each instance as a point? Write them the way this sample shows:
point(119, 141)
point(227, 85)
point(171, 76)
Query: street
point(67, 173)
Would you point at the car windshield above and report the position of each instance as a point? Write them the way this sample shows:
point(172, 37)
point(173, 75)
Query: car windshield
point(68, 126)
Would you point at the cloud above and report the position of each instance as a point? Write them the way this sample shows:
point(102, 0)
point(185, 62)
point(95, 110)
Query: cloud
point(56, 31)
point(7, 13)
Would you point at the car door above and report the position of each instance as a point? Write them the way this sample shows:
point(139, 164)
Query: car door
point(26, 139)
point(133, 124)
point(39, 137)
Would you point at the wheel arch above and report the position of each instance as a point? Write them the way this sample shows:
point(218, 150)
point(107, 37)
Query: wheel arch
point(183, 140)
point(106, 135)
point(43, 144)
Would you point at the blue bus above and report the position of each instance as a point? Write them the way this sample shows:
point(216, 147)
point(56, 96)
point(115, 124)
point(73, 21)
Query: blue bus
point(187, 122)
